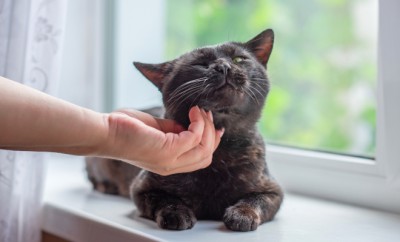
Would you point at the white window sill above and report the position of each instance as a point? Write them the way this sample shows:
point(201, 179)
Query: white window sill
point(71, 210)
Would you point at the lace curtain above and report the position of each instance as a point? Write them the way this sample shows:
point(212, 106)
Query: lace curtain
point(30, 39)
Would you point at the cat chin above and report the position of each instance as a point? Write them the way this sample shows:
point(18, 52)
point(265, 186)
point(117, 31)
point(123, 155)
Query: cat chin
point(223, 102)
point(229, 91)
point(223, 111)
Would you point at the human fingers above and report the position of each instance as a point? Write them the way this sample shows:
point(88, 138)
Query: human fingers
point(169, 126)
point(144, 117)
point(193, 159)
point(211, 137)
point(218, 136)
point(187, 140)
point(199, 153)
point(208, 138)
point(184, 148)
point(165, 125)
point(198, 157)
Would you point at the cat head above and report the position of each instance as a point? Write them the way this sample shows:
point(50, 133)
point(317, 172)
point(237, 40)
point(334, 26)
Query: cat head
point(229, 79)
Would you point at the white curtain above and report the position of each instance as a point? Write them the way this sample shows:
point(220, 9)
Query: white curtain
point(30, 48)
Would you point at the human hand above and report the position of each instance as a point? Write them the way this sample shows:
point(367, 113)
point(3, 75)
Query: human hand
point(160, 145)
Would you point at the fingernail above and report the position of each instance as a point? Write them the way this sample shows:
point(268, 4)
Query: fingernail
point(221, 132)
point(210, 116)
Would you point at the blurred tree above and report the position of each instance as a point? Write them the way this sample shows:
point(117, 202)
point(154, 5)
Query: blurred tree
point(322, 69)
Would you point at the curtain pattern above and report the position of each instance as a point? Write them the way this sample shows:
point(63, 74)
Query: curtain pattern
point(30, 51)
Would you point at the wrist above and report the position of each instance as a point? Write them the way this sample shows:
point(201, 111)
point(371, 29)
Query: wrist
point(97, 139)
point(93, 136)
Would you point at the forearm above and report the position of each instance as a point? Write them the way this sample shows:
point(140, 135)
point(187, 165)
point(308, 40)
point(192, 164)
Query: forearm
point(32, 120)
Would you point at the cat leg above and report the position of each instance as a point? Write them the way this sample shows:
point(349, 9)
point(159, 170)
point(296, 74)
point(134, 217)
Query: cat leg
point(98, 170)
point(106, 187)
point(168, 211)
point(252, 211)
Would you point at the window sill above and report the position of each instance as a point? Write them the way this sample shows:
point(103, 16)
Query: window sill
point(71, 210)
point(334, 177)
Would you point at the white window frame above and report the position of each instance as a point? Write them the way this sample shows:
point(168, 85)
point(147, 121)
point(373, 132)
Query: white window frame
point(360, 181)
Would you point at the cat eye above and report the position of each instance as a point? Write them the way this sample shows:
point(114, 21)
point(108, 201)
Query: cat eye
point(237, 59)
point(201, 65)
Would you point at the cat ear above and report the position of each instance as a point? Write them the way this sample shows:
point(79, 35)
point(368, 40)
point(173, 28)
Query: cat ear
point(156, 73)
point(261, 45)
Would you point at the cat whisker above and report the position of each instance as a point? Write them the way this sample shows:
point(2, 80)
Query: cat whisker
point(260, 81)
point(181, 90)
point(179, 98)
point(260, 86)
point(189, 83)
point(208, 93)
point(204, 90)
point(252, 96)
point(186, 97)
point(256, 90)
point(177, 102)
point(178, 89)
point(259, 78)
point(184, 91)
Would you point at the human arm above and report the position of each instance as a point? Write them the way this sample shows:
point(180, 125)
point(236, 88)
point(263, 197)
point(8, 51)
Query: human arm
point(32, 120)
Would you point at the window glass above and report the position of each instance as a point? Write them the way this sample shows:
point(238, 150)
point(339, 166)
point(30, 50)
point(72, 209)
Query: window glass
point(322, 69)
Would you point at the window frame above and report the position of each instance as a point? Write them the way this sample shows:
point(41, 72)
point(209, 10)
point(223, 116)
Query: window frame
point(360, 181)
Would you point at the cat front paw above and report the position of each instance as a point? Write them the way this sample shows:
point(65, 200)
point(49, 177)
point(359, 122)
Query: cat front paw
point(175, 217)
point(241, 218)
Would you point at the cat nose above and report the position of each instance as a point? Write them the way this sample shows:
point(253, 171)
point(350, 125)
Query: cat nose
point(222, 67)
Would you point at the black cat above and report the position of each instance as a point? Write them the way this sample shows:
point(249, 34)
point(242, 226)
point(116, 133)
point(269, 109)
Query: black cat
point(230, 80)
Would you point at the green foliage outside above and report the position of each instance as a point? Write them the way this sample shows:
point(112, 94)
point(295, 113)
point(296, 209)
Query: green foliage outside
point(322, 72)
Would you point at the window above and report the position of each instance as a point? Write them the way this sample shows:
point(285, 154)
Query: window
point(334, 73)
point(323, 67)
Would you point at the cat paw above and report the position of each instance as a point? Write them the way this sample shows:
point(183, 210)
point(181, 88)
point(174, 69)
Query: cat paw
point(175, 217)
point(241, 218)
